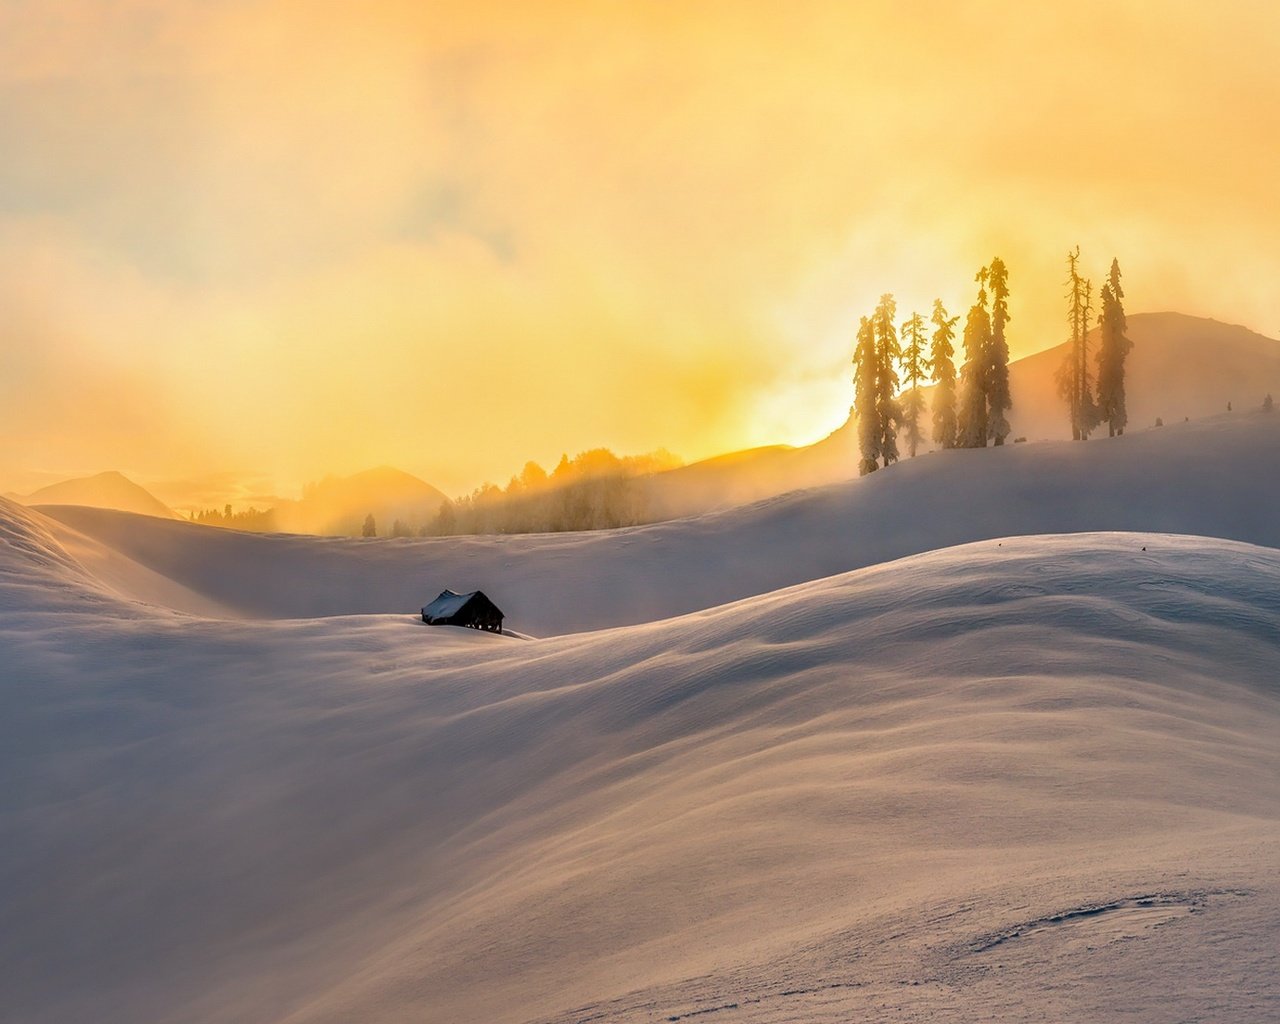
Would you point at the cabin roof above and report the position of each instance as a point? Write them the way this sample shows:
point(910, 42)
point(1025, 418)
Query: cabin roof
point(448, 604)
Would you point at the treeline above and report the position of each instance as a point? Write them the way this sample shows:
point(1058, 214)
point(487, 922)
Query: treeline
point(968, 410)
point(252, 519)
point(595, 490)
point(892, 365)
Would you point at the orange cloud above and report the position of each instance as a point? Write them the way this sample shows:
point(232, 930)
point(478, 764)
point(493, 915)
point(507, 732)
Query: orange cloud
point(302, 235)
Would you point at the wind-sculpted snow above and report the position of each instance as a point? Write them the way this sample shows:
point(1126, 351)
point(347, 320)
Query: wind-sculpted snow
point(1216, 478)
point(1030, 778)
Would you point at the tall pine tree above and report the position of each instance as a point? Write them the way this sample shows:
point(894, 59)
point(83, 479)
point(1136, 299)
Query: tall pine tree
point(1113, 346)
point(888, 352)
point(944, 372)
point(864, 405)
point(997, 367)
point(915, 369)
point(1090, 417)
point(1073, 377)
point(972, 414)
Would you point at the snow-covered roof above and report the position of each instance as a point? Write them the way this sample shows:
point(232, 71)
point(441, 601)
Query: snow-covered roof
point(447, 604)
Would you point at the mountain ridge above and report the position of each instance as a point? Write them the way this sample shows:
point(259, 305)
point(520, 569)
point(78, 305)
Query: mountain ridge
point(110, 489)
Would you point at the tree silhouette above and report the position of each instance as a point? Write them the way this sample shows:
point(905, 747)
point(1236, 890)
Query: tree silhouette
point(864, 403)
point(997, 362)
point(1074, 384)
point(944, 372)
point(370, 528)
point(888, 353)
point(446, 520)
point(972, 417)
point(1113, 347)
point(1090, 416)
point(915, 368)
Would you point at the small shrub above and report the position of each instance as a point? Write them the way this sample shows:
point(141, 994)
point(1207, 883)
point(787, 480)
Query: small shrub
point(1159, 421)
point(1267, 404)
point(1019, 440)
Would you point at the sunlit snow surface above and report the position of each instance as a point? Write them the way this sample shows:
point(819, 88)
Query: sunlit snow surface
point(1032, 778)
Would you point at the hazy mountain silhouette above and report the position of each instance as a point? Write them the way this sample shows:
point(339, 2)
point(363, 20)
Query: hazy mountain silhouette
point(1181, 366)
point(103, 490)
point(338, 505)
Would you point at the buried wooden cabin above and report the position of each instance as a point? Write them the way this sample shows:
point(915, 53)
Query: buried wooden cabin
point(473, 610)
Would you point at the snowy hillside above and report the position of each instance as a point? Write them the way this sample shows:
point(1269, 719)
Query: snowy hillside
point(1217, 478)
point(1031, 779)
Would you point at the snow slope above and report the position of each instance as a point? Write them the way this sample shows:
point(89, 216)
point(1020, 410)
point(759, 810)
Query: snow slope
point(1218, 477)
point(1032, 779)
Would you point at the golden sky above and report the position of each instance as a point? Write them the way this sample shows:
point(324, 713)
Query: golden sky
point(297, 238)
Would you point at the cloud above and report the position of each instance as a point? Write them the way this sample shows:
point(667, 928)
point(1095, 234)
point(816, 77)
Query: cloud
point(299, 238)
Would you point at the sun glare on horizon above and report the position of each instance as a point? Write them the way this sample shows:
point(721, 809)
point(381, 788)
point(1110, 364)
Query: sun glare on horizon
point(280, 242)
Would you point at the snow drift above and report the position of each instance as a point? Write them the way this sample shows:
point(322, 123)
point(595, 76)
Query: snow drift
point(1033, 777)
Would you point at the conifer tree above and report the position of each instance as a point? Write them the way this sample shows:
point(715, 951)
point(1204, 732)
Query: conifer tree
point(997, 362)
point(944, 372)
point(972, 415)
point(1090, 416)
point(887, 354)
point(1073, 377)
point(865, 410)
point(915, 368)
point(1113, 346)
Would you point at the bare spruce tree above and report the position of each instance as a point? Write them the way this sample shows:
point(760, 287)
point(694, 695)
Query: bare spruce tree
point(997, 366)
point(944, 372)
point(1113, 347)
point(1073, 376)
point(915, 369)
point(864, 403)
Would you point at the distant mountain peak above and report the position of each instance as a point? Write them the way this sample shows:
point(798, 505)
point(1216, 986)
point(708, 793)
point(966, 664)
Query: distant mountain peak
point(110, 489)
